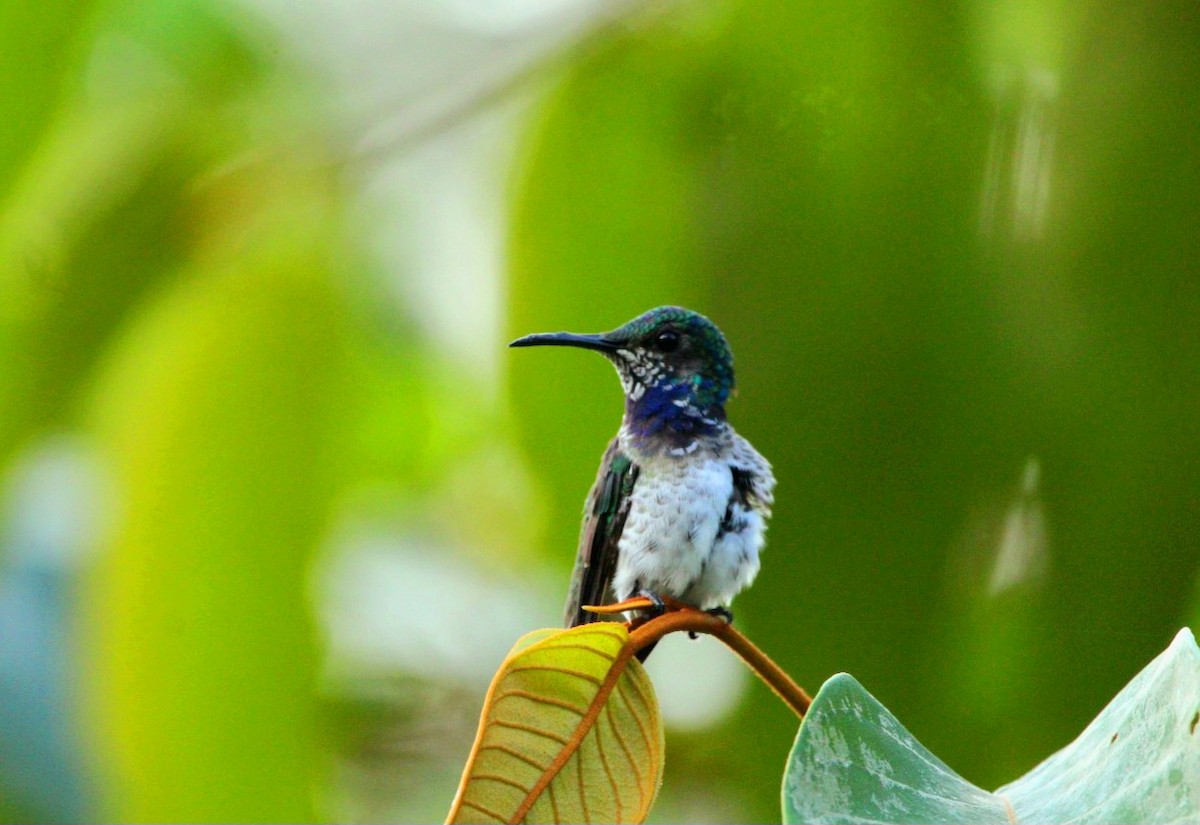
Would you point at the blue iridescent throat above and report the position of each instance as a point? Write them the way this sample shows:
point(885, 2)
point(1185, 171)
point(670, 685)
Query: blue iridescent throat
point(669, 409)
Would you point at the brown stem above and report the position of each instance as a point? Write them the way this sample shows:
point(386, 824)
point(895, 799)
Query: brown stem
point(697, 621)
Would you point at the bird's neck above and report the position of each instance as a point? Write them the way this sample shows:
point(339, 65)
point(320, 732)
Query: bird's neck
point(671, 412)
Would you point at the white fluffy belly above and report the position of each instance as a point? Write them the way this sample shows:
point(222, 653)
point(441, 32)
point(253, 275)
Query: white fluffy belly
point(672, 543)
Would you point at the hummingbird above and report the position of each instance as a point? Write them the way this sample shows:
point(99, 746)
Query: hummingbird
point(680, 505)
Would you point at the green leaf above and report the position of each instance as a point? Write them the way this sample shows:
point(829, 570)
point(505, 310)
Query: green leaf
point(570, 732)
point(1138, 761)
point(39, 53)
point(218, 416)
point(854, 762)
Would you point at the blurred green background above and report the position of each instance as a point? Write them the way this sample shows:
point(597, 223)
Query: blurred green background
point(277, 500)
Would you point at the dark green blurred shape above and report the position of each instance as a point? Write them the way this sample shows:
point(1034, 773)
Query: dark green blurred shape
point(947, 242)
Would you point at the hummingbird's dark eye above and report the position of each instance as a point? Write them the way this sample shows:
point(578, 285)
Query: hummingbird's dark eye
point(667, 341)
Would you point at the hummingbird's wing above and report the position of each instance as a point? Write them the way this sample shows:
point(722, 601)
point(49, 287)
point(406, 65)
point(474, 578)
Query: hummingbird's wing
point(753, 481)
point(603, 519)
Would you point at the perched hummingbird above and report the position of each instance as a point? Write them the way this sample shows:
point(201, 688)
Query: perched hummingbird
point(681, 501)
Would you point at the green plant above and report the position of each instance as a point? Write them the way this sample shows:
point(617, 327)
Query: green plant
point(570, 731)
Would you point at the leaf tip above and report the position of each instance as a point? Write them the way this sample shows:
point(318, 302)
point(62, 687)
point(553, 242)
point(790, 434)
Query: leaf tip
point(1184, 639)
point(842, 682)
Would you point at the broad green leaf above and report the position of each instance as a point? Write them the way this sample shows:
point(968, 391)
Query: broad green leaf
point(217, 412)
point(99, 205)
point(854, 762)
point(1138, 761)
point(39, 53)
point(570, 732)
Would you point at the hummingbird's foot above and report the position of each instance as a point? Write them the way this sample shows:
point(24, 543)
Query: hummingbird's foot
point(720, 613)
point(659, 606)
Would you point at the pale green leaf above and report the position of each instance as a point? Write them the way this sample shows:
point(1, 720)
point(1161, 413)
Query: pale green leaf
point(1138, 761)
point(216, 415)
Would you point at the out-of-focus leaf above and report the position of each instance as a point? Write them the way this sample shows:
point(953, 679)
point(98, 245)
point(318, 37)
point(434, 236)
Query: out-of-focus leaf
point(36, 47)
point(1139, 761)
point(209, 45)
point(96, 210)
point(217, 414)
point(570, 732)
point(85, 232)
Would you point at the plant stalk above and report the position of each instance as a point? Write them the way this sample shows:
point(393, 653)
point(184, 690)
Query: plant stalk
point(697, 621)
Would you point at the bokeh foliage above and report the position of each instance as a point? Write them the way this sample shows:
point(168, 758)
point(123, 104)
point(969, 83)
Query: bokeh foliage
point(181, 288)
point(952, 245)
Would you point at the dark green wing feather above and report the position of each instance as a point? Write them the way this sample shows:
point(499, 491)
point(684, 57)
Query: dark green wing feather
point(603, 519)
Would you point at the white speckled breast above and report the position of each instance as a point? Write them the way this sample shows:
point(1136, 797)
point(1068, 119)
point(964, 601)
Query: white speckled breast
point(673, 543)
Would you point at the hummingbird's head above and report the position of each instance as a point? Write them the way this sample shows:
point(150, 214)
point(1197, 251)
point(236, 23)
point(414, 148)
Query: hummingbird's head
point(667, 357)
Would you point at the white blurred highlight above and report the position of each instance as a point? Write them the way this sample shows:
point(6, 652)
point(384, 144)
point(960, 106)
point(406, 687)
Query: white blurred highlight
point(1017, 177)
point(402, 605)
point(1022, 549)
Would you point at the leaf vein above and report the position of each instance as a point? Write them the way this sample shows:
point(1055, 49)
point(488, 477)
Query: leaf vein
point(641, 693)
point(495, 777)
point(596, 630)
point(582, 785)
point(637, 774)
point(650, 747)
point(603, 654)
point(544, 700)
point(612, 780)
point(502, 723)
point(515, 754)
point(566, 671)
point(485, 811)
point(611, 683)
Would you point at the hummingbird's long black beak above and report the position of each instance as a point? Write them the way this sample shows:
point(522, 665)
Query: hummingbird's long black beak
point(600, 342)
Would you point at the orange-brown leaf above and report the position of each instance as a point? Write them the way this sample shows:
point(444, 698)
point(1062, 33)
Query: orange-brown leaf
point(570, 732)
